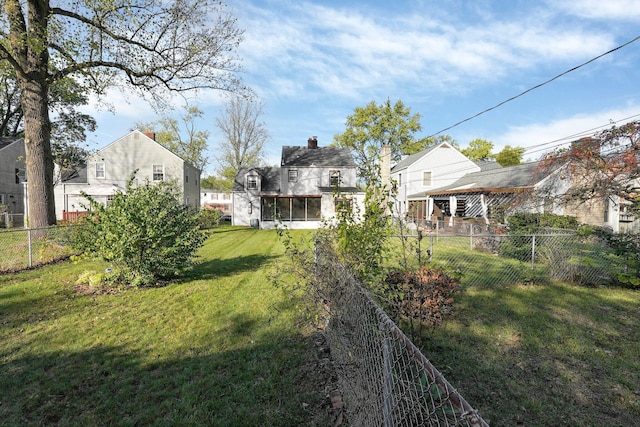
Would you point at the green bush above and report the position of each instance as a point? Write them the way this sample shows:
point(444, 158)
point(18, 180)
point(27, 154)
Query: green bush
point(529, 223)
point(210, 218)
point(146, 233)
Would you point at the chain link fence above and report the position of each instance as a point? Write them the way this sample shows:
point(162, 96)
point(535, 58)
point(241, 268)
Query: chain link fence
point(384, 378)
point(503, 259)
point(21, 249)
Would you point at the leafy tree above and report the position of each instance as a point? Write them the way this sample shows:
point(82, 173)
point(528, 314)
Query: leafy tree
point(244, 136)
point(146, 233)
point(479, 149)
point(372, 126)
point(150, 45)
point(68, 127)
point(601, 167)
point(182, 138)
point(510, 156)
point(220, 183)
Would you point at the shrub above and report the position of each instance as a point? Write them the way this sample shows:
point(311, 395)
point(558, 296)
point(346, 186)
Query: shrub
point(146, 233)
point(425, 295)
point(210, 218)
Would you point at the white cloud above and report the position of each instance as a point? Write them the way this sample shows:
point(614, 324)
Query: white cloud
point(540, 137)
point(598, 9)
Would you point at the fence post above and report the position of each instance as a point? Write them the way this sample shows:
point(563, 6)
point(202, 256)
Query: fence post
point(470, 237)
point(29, 246)
point(431, 248)
point(387, 375)
point(533, 251)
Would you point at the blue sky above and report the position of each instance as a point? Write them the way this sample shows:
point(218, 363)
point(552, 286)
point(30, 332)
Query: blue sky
point(313, 62)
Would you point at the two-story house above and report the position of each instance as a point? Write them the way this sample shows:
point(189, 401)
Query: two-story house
point(436, 166)
point(12, 177)
point(216, 199)
point(310, 185)
point(110, 168)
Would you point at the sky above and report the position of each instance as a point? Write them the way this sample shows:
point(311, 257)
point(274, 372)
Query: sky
point(313, 62)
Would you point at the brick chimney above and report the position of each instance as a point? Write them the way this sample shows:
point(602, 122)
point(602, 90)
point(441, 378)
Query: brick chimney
point(149, 134)
point(312, 143)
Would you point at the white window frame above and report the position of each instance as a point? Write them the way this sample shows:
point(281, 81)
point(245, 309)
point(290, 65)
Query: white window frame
point(101, 170)
point(2, 199)
point(427, 182)
point(154, 173)
point(252, 179)
point(333, 174)
point(293, 175)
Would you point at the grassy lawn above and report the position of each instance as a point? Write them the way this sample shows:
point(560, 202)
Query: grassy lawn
point(544, 355)
point(220, 347)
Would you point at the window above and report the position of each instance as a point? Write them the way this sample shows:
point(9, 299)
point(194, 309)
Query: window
point(293, 175)
point(158, 172)
point(334, 178)
point(1, 199)
point(426, 179)
point(100, 170)
point(186, 178)
point(343, 205)
point(110, 199)
point(252, 182)
point(291, 208)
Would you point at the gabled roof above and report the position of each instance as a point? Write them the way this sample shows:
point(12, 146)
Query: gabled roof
point(321, 156)
point(493, 179)
point(6, 141)
point(409, 160)
point(269, 182)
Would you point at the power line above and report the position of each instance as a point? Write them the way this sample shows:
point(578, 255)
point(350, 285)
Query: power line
point(535, 87)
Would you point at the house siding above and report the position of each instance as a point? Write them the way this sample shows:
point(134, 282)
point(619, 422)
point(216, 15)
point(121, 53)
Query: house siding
point(12, 157)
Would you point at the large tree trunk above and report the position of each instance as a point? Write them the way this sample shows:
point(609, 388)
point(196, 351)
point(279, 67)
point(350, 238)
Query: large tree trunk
point(37, 138)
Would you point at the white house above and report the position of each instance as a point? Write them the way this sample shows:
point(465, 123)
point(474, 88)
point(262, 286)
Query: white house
point(218, 200)
point(436, 166)
point(110, 168)
point(12, 176)
point(309, 186)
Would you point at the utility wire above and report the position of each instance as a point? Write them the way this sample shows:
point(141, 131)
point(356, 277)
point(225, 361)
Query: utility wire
point(534, 87)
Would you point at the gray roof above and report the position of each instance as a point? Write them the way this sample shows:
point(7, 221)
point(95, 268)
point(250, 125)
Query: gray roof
point(269, 182)
point(409, 160)
point(76, 175)
point(494, 179)
point(5, 141)
point(321, 156)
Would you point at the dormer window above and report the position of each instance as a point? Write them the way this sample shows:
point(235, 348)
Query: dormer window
point(252, 182)
point(334, 178)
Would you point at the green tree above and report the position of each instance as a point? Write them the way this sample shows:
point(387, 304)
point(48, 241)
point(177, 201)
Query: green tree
point(479, 149)
point(214, 182)
point(69, 126)
point(150, 45)
point(510, 156)
point(181, 137)
point(244, 136)
point(146, 233)
point(372, 126)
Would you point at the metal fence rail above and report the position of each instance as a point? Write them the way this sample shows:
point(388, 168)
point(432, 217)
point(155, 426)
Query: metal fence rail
point(385, 379)
point(25, 248)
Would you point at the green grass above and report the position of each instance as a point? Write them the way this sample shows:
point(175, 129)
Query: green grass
point(220, 347)
point(545, 355)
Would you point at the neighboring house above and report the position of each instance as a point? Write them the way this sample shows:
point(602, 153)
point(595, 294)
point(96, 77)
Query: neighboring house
point(110, 169)
point(497, 190)
point(12, 175)
point(436, 166)
point(309, 186)
point(218, 200)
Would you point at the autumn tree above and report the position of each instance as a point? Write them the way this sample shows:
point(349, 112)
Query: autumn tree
point(372, 126)
point(605, 166)
point(244, 136)
point(181, 136)
point(154, 46)
point(510, 156)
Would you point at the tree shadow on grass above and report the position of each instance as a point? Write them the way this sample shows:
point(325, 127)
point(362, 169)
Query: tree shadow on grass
point(264, 383)
point(220, 267)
